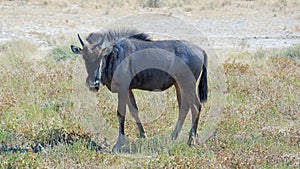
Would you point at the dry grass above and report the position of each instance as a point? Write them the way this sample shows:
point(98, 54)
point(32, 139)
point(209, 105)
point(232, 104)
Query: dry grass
point(48, 119)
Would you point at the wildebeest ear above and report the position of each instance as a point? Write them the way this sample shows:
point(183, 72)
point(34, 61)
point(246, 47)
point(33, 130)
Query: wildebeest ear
point(107, 50)
point(76, 49)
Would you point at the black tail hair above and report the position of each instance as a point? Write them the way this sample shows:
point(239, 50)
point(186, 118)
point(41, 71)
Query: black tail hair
point(202, 87)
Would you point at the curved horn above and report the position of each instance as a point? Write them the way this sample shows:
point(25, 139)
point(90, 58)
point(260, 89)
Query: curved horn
point(81, 41)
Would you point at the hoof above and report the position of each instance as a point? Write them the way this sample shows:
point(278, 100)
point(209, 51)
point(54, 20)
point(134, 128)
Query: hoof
point(192, 138)
point(121, 142)
point(143, 135)
point(189, 143)
point(174, 135)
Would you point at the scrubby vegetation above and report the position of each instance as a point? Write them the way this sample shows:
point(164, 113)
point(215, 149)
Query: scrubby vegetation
point(48, 118)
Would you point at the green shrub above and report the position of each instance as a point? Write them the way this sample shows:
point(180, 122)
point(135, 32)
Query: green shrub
point(153, 4)
point(62, 54)
point(291, 52)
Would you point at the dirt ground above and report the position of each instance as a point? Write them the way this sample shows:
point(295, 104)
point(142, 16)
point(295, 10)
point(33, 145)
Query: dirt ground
point(230, 25)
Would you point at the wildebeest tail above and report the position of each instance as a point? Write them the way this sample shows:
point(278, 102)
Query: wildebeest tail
point(202, 87)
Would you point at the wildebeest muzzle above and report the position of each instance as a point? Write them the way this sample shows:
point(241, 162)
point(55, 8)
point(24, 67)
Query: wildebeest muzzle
point(94, 85)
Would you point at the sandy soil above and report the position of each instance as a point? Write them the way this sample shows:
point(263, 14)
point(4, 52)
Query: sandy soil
point(229, 27)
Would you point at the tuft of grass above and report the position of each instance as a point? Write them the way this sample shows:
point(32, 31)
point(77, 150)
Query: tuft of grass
point(153, 4)
point(290, 53)
point(18, 48)
point(62, 54)
point(14, 52)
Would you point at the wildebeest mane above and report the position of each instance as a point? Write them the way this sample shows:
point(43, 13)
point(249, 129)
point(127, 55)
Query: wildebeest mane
point(113, 35)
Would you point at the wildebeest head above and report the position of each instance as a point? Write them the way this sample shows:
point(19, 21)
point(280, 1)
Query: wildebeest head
point(92, 55)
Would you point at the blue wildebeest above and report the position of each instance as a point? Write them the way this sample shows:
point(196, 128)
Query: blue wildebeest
point(125, 59)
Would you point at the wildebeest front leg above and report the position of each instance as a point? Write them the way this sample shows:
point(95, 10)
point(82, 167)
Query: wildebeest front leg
point(121, 112)
point(135, 113)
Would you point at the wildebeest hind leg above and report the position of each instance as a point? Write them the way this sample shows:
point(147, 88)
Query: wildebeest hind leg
point(196, 108)
point(135, 113)
point(183, 110)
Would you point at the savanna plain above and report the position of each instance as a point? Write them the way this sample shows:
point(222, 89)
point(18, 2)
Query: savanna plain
point(49, 119)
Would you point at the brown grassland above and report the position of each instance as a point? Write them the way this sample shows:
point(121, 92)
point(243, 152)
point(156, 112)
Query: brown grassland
point(49, 119)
